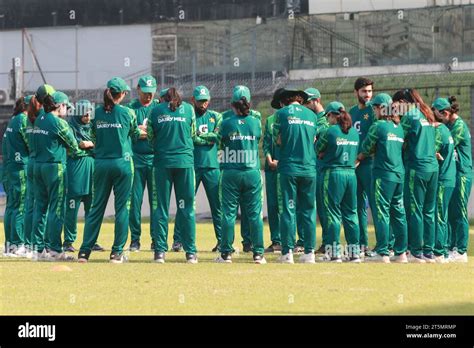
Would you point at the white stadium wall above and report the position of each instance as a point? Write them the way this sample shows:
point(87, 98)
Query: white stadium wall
point(102, 52)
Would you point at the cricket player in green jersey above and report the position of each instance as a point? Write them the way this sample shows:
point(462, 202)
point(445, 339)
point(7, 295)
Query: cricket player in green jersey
point(244, 222)
point(446, 179)
point(241, 181)
point(314, 103)
point(113, 129)
point(295, 129)
point(421, 178)
point(52, 137)
point(142, 158)
point(80, 170)
point(385, 138)
point(16, 163)
point(206, 165)
point(7, 217)
point(271, 152)
point(171, 130)
point(363, 116)
point(35, 109)
point(337, 147)
point(457, 211)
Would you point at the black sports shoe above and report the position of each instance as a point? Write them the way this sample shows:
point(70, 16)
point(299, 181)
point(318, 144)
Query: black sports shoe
point(134, 245)
point(298, 249)
point(191, 258)
point(69, 248)
point(274, 247)
point(159, 257)
point(216, 248)
point(83, 256)
point(321, 250)
point(258, 258)
point(224, 258)
point(97, 247)
point(152, 246)
point(247, 247)
point(117, 257)
point(177, 247)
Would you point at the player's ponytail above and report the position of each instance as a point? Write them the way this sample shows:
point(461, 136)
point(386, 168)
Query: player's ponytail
point(242, 106)
point(173, 98)
point(411, 96)
point(20, 106)
point(454, 104)
point(344, 120)
point(48, 104)
point(110, 98)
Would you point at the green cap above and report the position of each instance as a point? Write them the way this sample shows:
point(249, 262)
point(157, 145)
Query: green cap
point(147, 84)
point(312, 93)
point(239, 92)
point(334, 107)
point(117, 84)
point(61, 98)
point(441, 104)
point(382, 99)
point(83, 107)
point(201, 93)
point(28, 99)
point(163, 92)
point(43, 91)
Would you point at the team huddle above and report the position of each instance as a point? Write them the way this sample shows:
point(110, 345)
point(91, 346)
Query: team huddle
point(409, 162)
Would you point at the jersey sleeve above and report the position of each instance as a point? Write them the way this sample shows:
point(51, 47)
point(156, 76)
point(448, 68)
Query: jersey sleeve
point(322, 143)
point(370, 141)
point(457, 133)
point(134, 130)
point(67, 137)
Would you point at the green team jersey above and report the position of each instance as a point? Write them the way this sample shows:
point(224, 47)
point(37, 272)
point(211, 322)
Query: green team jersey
point(142, 150)
point(171, 135)
point(230, 113)
point(269, 142)
point(420, 138)
point(462, 146)
point(52, 136)
point(362, 119)
point(340, 149)
point(239, 137)
point(113, 132)
point(447, 167)
point(296, 125)
point(17, 142)
point(206, 143)
point(30, 127)
point(385, 139)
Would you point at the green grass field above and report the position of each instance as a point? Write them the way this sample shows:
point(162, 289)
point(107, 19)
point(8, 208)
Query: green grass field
point(141, 287)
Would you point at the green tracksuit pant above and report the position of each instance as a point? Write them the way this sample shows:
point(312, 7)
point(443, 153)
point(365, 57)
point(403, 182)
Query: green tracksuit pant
point(183, 181)
point(442, 204)
point(389, 216)
point(210, 179)
point(7, 217)
point(17, 191)
point(458, 217)
point(29, 205)
point(340, 204)
point(109, 174)
point(272, 189)
point(319, 207)
point(364, 184)
point(50, 194)
point(298, 192)
point(143, 177)
point(244, 186)
point(420, 202)
point(72, 210)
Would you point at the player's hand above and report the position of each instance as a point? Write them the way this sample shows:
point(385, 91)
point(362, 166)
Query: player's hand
point(143, 134)
point(86, 145)
point(439, 157)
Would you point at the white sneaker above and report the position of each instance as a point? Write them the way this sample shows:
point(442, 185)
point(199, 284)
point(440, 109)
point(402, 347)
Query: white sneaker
point(287, 258)
point(391, 253)
point(40, 256)
point(413, 259)
point(402, 258)
point(441, 259)
point(20, 252)
point(458, 258)
point(328, 258)
point(378, 258)
point(220, 259)
point(54, 256)
point(430, 259)
point(307, 258)
point(259, 260)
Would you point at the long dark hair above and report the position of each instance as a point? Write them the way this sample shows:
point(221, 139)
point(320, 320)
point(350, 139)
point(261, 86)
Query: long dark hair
point(242, 106)
point(173, 99)
point(412, 96)
point(20, 106)
point(110, 98)
point(344, 120)
point(49, 104)
point(454, 104)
